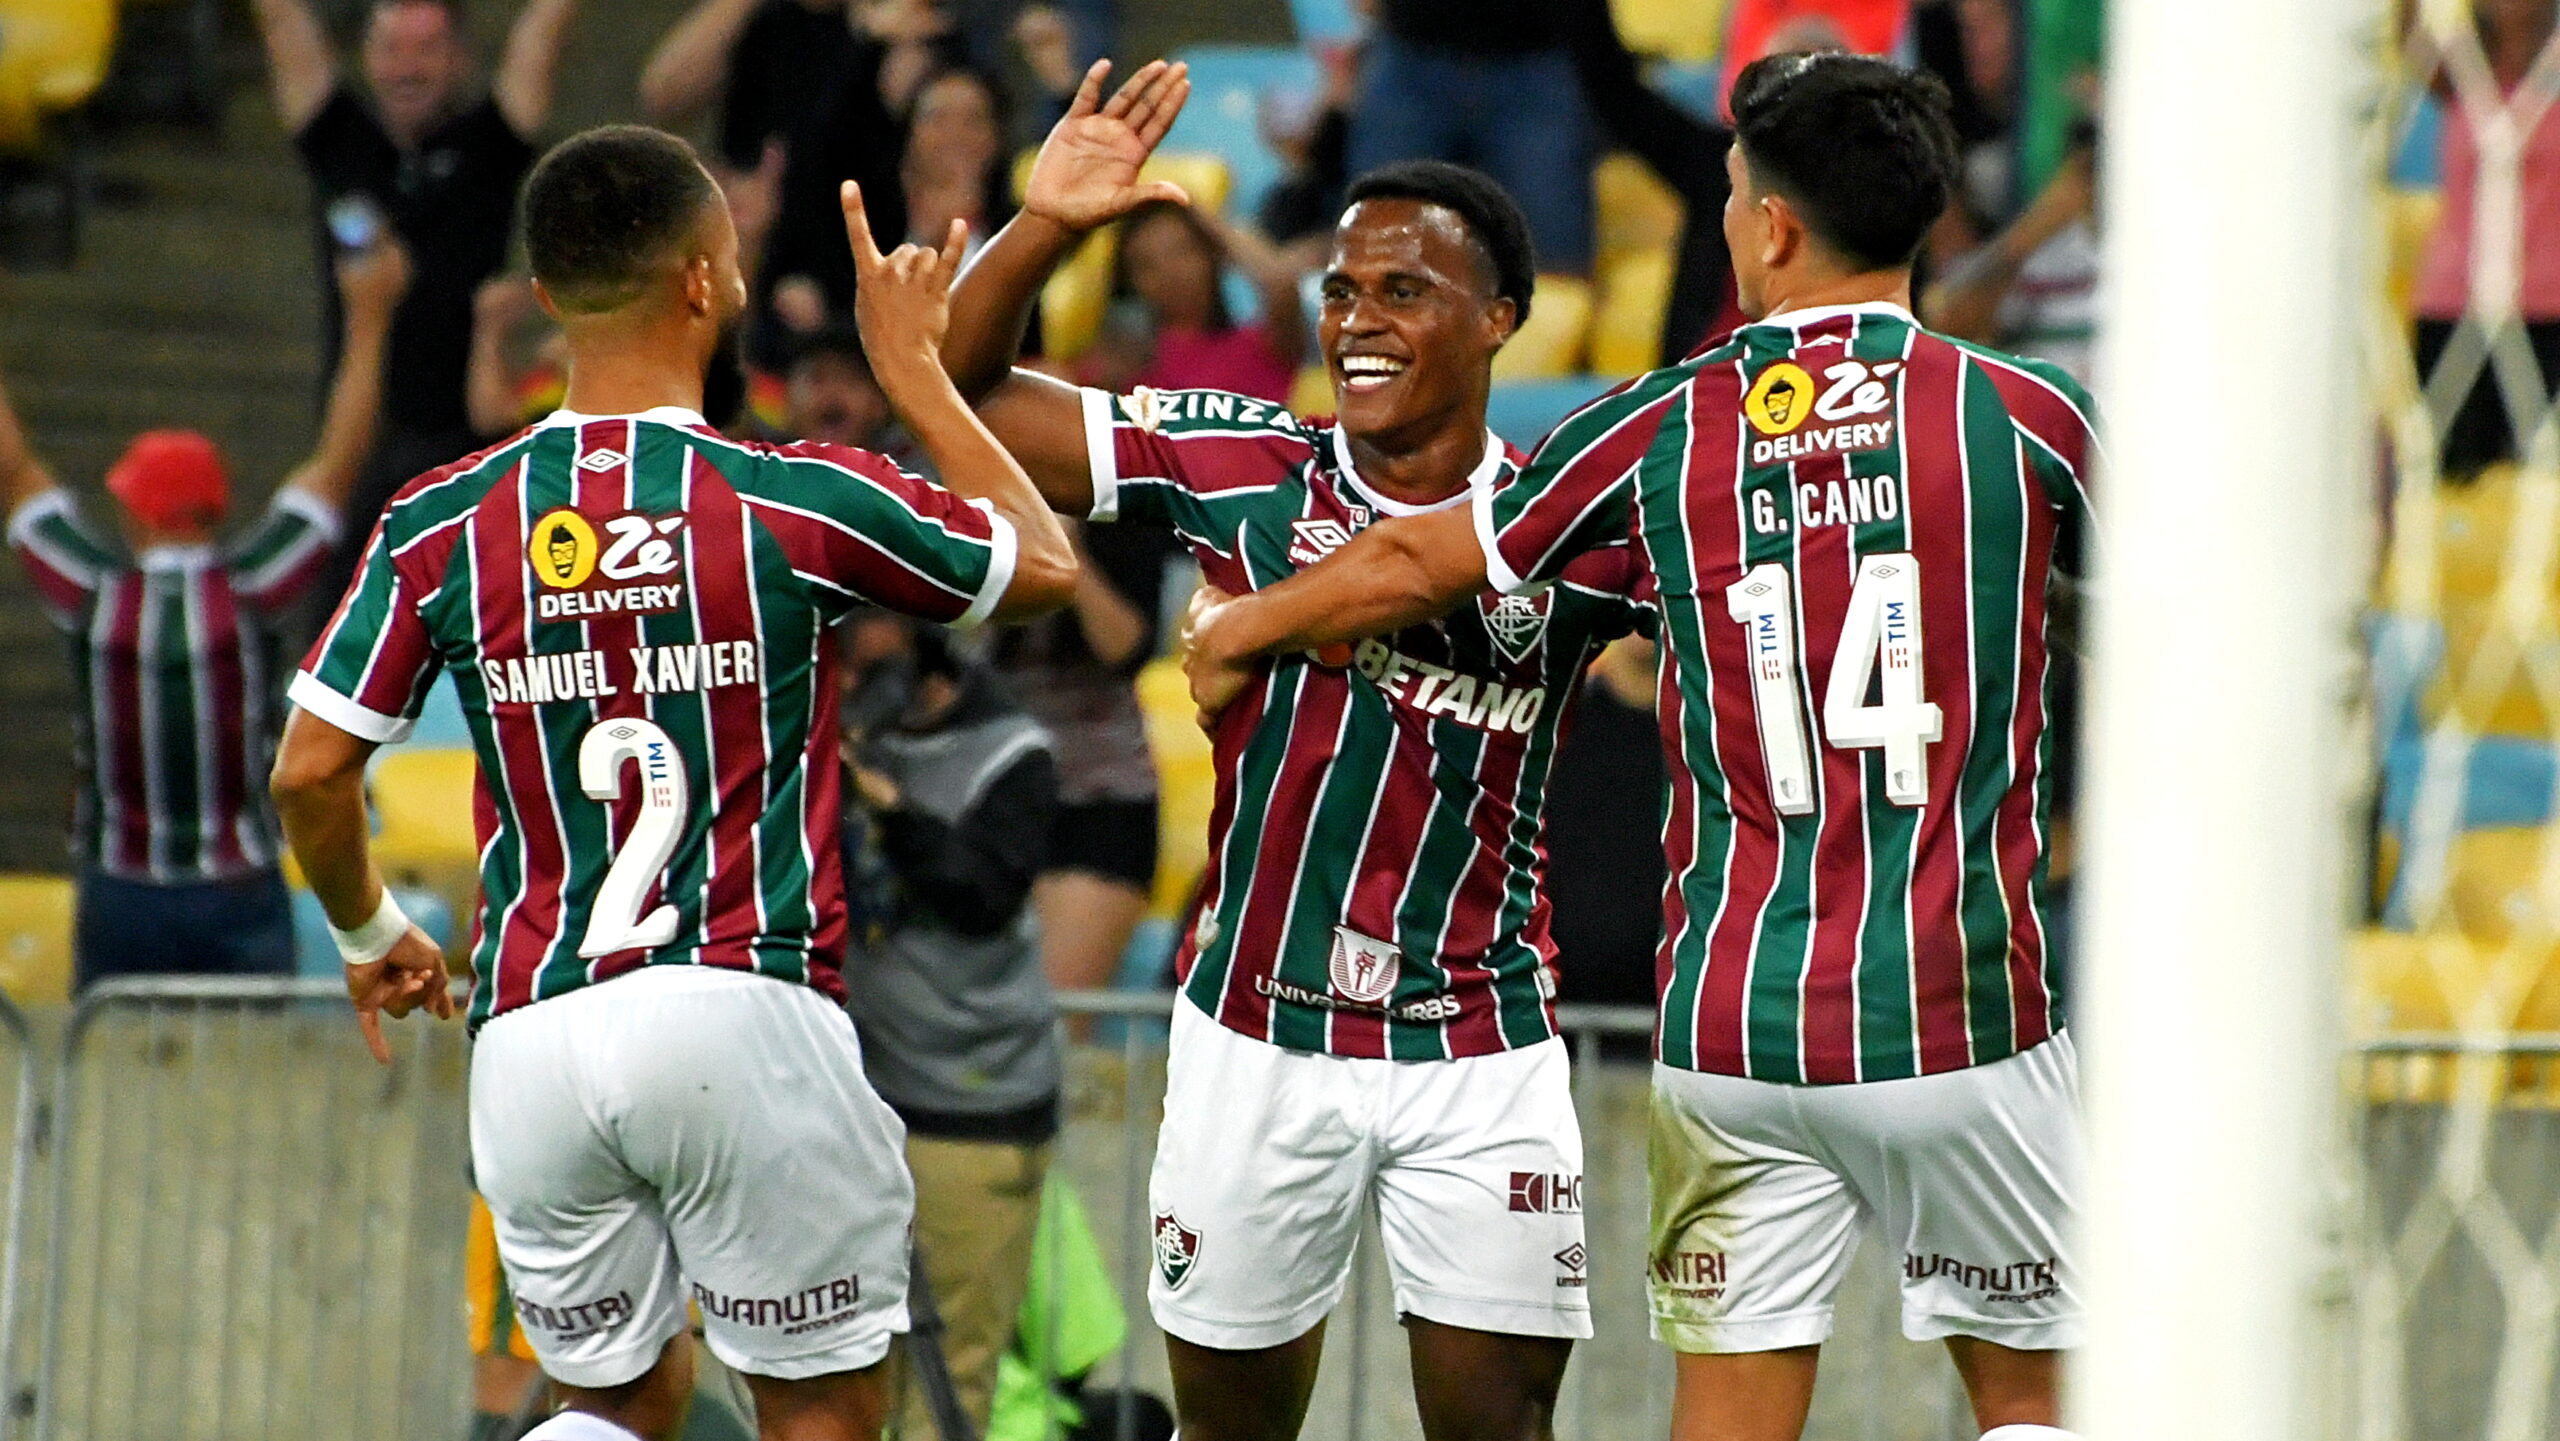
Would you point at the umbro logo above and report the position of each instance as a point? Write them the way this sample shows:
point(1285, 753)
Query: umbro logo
point(1316, 539)
point(601, 461)
point(1575, 1263)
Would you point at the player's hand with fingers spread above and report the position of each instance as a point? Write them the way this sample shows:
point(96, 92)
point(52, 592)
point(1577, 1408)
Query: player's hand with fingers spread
point(410, 975)
point(1086, 174)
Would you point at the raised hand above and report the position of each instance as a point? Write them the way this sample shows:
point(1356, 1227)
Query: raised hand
point(1086, 174)
point(373, 279)
point(902, 300)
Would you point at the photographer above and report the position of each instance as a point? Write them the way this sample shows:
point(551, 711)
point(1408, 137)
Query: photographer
point(952, 797)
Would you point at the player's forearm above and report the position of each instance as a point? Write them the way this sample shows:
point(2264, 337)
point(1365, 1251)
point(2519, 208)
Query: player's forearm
point(687, 68)
point(300, 66)
point(322, 808)
point(991, 305)
point(1396, 573)
point(973, 466)
point(530, 68)
point(22, 476)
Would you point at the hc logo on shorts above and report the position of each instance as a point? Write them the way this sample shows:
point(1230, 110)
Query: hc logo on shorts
point(1538, 1193)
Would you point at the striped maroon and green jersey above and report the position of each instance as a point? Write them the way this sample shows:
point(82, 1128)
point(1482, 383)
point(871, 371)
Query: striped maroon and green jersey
point(175, 656)
point(635, 615)
point(1854, 526)
point(1376, 861)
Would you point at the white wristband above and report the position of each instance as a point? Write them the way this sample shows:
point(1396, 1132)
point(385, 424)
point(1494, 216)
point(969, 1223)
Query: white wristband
point(374, 939)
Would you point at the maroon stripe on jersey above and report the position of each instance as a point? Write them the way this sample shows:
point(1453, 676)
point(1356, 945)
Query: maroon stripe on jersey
point(1714, 506)
point(1379, 872)
point(224, 707)
point(2021, 841)
point(1931, 424)
point(887, 580)
point(1324, 700)
point(723, 610)
point(1826, 573)
point(1679, 849)
point(2041, 411)
point(118, 659)
point(532, 918)
point(1210, 464)
point(1481, 899)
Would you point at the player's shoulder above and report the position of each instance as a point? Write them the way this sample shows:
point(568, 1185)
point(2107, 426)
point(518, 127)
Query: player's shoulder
point(2031, 388)
point(435, 497)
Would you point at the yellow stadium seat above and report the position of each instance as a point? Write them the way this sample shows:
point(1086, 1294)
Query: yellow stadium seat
point(424, 838)
point(2492, 677)
point(1552, 343)
point(2409, 218)
point(1186, 776)
point(1626, 333)
point(1312, 392)
point(1634, 212)
point(35, 939)
point(1674, 29)
point(53, 54)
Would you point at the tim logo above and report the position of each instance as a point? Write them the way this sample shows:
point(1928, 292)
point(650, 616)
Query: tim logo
point(1542, 1193)
point(1517, 623)
point(1177, 1249)
point(1316, 539)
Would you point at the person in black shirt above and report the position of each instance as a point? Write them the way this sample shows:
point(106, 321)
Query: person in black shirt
point(413, 152)
point(759, 61)
point(1686, 153)
point(1485, 83)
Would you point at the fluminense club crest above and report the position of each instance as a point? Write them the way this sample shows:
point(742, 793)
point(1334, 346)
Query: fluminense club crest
point(1517, 624)
point(1177, 1250)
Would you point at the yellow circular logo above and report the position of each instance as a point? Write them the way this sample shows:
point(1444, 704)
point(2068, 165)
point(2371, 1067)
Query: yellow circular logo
point(562, 549)
point(1780, 399)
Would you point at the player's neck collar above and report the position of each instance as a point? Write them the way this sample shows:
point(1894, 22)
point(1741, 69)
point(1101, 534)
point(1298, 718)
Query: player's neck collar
point(1815, 314)
point(662, 414)
point(1478, 479)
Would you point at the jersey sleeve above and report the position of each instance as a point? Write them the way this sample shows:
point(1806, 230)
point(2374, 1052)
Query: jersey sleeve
point(1576, 494)
point(369, 671)
point(1173, 457)
point(276, 562)
point(64, 561)
point(861, 527)
point(2058, 422)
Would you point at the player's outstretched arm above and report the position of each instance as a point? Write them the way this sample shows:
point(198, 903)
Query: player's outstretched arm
point(1085, 177)
point(370, 284)
point(529, 68)
point(392, 967)
point(22, 476)
point(1398, 572)
point(902, 301)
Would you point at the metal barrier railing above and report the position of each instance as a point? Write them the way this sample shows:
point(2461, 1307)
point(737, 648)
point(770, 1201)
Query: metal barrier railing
point(252, 1231)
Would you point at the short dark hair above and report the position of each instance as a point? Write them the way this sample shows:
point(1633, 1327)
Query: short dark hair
point(1491, 216)
point(834, 341)
point(607, 207)
point(1863, 148)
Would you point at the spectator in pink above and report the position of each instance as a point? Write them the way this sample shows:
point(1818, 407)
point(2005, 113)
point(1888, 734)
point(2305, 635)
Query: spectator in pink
point(2465, 270)
point(1171, 324)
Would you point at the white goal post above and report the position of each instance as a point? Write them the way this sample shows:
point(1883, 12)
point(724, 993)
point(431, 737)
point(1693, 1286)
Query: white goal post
point(2235, 514)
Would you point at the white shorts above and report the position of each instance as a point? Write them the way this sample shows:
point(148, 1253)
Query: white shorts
point(683, 1124)
point(1269, 1157)
point(1759, 1189)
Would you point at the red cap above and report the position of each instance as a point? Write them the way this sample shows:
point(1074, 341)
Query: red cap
point(172, 480)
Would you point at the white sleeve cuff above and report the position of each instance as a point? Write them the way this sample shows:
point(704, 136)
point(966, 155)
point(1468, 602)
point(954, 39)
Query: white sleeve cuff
point(1101, 456)
point(1006, 547)
point(322, 515)
point(1497, 571)
point(362, 722)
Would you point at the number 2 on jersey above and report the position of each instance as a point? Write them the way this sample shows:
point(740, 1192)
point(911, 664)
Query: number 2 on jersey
point(1882, 627)
point(616, 923)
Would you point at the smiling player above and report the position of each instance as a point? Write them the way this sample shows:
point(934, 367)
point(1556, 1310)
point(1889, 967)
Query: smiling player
point(1367, 984)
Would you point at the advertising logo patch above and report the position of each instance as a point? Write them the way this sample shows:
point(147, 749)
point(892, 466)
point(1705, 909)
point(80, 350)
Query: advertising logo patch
point(1543, 1193)
point(1780, 399)
point(1177, 1249)
point(1363, 969)
point(625, 564)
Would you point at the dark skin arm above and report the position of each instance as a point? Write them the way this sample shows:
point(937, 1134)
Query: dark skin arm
point(1401, 571)
point(318, 787)
point(1086, 176)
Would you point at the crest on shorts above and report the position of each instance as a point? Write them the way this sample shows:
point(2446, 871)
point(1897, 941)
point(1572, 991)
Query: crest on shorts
point(1363, 970)
point(1517, 623)
point(1177, 1250)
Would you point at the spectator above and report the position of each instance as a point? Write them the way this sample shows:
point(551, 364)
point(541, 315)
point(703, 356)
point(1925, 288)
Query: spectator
point(759, 60)
point(953, 165)
point(830, 395)
point(1075, 670)
point(1486, 83)
point(1171, 329)
point(440, 170)
point(1312, 137)
point(2517, 42)
point(174, 652)
point(1972, 46)
point(1685, 153)
point(2032, 290)
point(955, 788)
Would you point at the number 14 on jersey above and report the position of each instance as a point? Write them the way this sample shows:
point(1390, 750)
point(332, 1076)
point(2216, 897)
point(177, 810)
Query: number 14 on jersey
point(1882, 629)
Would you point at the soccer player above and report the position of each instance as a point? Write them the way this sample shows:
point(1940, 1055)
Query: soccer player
point(1367, 984)
point(667, 1101)
point(1852, 523)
